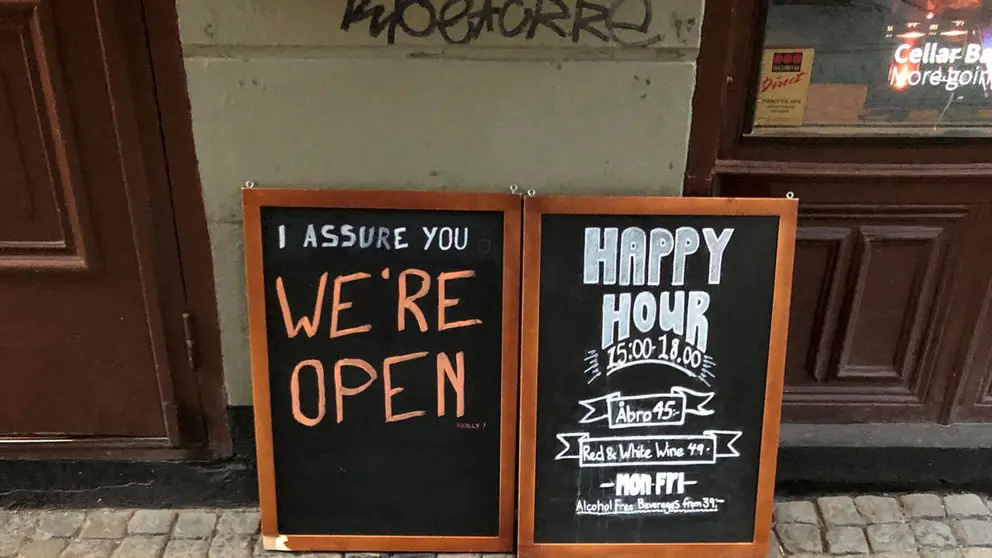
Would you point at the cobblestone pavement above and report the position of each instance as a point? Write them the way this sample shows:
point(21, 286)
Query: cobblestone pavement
point(907, 525)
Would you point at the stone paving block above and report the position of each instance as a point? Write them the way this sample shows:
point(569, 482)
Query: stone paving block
point(195, 525)
point(933, 533)
point(796, 512)
point(908, 554)
point(21, 523)
point(58, 524)
point(846, 540)
point(89, 548)
point(965, 505)
point(879, 509)
point(977, 553)
point(141, 546)
point(939, 553)
point(773, 547)
point(973, 532)
point(46, 548)
point(891, 537)
point(800, 537)
point(187, 548)
point(238, 523)
point(459, 555)
point(151, 522)
point(105, 524)
point(925, 506)
point(230, 546)
point(11, 542)
point(839, 510)
point(377, 555)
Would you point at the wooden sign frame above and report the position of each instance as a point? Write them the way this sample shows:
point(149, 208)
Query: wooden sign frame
point(534, 208)
point(253, 199)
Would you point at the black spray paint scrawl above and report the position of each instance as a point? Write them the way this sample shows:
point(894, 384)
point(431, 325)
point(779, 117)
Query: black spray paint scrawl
point(463, 21)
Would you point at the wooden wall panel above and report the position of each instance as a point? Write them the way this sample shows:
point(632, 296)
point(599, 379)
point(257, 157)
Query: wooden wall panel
point(973, 402)
point(865, 297)
point(43, 219)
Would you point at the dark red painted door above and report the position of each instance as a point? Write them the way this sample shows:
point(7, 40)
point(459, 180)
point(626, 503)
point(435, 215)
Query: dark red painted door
point(91, 302)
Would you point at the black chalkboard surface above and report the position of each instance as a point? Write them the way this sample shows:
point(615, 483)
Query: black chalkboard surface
point(383, 331)
point(651, 390)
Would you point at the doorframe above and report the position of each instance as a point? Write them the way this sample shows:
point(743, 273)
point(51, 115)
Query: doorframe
point(193, 237)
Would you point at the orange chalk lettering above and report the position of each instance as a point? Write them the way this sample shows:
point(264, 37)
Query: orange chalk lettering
point(390, 391)
point(340, 391)
point(456, 376)
point(337, 306)
point(294, 390)
point(305, 323)
point(443, 302)
point(407, 302)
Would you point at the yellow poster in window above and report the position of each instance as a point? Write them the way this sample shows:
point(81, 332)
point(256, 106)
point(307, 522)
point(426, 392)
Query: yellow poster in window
point(784, 84)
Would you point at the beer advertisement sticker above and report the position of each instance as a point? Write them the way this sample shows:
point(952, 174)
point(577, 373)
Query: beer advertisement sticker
point(783, 87)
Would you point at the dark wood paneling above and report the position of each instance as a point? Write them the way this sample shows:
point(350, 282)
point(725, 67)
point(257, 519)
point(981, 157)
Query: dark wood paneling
point(43, 220)
point(866, 287)
point(891, 317)
point(971, 399)
point(881, 295)
point(823, 255)
point(99, 361)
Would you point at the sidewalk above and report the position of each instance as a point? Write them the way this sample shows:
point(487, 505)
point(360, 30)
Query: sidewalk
point(908, 525)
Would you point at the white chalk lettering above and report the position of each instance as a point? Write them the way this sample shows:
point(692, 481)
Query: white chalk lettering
point(347, 235)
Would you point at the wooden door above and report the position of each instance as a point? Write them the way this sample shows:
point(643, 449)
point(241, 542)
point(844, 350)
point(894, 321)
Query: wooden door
point(891, 314)
point(93, 317)
point(889, 285)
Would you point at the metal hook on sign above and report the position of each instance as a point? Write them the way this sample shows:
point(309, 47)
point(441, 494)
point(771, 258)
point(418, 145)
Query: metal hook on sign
point(531, 192)
point(790, 195)
point(514, 188)
point(250, 184)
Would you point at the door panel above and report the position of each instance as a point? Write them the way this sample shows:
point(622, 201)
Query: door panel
point(880, 298)
point(866, 287)
point(84, 354)
point(42, 205)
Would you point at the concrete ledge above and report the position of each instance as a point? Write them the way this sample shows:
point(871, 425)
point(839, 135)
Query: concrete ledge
point(806, 469)
point(976, 435)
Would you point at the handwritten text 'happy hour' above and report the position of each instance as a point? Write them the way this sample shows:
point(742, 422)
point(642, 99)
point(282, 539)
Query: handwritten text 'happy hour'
point(635, 257)
point(379, 238)
point(463, 21)
point(412, 285)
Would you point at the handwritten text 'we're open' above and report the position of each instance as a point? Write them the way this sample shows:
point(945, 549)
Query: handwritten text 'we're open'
point(414, 310)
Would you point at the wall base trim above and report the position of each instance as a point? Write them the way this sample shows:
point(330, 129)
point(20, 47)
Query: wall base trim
point(805, 470)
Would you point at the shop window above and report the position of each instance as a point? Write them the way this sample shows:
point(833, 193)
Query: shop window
point(875, 68)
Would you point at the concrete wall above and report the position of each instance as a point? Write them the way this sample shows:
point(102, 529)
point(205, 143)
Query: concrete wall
point(284, 95)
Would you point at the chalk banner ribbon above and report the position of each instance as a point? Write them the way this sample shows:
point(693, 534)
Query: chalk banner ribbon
point(625, 451)
point(656, 409)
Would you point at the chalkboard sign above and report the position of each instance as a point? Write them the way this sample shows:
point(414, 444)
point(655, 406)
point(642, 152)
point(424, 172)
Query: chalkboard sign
point(384, 340)
point(652, 363)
